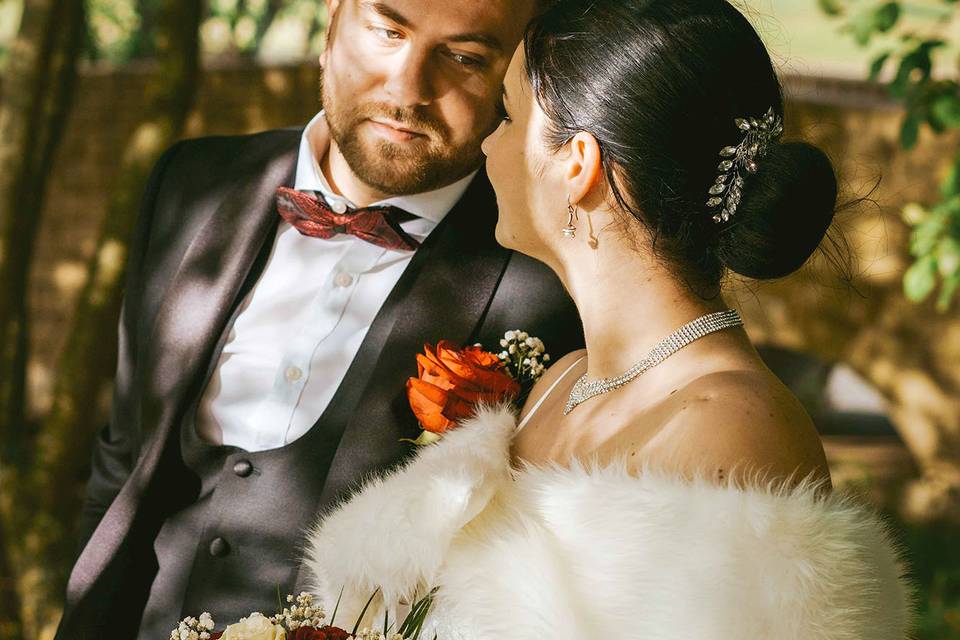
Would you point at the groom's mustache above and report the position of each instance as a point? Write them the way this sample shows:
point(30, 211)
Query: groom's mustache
point(406, 117)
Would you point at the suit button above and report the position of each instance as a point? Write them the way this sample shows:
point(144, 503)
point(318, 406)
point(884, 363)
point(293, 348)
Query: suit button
point(243, 468)
point(219, 547)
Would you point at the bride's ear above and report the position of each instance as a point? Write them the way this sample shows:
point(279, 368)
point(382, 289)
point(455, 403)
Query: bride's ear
point(583, 168)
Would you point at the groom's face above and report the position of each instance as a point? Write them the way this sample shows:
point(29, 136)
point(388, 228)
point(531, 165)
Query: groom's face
point(410, 87)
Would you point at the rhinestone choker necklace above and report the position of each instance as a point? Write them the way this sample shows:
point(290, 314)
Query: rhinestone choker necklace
point(694, 330)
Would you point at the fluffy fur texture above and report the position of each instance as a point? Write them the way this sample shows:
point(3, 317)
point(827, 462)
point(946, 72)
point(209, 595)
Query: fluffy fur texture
point(595, 552)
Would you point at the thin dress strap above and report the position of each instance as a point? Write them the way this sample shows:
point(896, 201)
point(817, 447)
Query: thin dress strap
point(540, 400)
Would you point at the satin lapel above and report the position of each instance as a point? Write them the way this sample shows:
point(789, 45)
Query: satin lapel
point(444, 295)
point(188, 324)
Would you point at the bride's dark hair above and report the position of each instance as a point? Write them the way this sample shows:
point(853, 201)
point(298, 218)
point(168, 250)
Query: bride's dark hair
point(659, 83)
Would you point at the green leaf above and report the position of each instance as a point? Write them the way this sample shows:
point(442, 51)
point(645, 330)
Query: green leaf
point(948, 257)
point(862, 26)
point(947, 290)
point(877, 65)
point(363, 612)
point(916, 60)
point(927, 234)
point(337, 606)
point(909, 130)
point(830, 7)
point(946, 109)
point(951, 183)
point(425, 438)
point(920, 279)
point(885, 16)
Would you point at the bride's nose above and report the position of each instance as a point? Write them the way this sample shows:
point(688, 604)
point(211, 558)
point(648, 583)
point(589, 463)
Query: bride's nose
point(488, 141)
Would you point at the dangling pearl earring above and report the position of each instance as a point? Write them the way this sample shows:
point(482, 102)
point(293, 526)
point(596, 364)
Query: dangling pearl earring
point(570, 230)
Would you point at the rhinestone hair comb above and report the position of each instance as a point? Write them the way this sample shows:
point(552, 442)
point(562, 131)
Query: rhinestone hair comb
point(741, 159)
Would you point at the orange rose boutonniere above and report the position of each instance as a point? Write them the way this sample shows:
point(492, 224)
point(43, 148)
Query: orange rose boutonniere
point(451, 381)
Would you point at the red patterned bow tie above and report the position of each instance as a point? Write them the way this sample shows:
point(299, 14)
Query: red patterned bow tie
point(312, 216)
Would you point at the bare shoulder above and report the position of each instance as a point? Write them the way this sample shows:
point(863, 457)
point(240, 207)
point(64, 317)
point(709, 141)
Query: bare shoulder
point(738, 425)
point(549, 377)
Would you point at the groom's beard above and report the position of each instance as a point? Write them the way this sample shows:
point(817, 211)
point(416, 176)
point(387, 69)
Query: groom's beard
point(418, 165)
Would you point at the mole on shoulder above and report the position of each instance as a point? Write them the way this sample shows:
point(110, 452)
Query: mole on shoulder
point(720, 473)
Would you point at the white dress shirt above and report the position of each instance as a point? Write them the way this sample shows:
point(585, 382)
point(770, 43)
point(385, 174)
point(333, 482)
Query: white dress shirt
point(301, 325)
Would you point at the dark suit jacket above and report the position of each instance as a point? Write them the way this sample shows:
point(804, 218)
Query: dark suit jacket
point(207, 212)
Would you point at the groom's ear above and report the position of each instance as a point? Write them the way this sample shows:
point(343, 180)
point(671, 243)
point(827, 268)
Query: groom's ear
point(583, 166)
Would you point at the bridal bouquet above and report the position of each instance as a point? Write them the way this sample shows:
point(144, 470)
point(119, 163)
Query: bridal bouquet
point(302, 620)
point(451, 381)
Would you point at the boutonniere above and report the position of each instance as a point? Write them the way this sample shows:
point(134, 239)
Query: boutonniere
point(451, 381)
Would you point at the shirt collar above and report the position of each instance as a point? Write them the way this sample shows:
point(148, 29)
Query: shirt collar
point(430, 205)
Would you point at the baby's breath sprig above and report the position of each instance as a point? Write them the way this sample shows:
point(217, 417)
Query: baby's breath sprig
point(191, 628)
point(301, 613)
point(524, 355)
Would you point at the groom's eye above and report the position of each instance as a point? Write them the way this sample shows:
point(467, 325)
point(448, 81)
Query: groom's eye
point(385, 34)
point(464, 60)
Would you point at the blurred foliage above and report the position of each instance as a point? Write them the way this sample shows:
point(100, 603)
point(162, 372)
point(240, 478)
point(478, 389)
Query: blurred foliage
point(121, 31)
point(928, 100)
point(10, 11)
point(934, 558)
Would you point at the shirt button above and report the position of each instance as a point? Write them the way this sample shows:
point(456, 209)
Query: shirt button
point(292, 374)
point(243, 468)
point(343, 280)
point(219, 547)
point(338, 206)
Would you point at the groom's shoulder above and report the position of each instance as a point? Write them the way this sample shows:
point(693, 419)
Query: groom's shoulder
point(207, 160)
point(257, 142)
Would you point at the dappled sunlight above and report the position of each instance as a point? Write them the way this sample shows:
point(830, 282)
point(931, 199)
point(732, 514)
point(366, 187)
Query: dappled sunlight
point(40, 380)
point(69, 277)
point(111, 260)
point(277, 82)
point(146, 141)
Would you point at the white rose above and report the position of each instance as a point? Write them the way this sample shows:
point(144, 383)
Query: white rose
point(255, 627)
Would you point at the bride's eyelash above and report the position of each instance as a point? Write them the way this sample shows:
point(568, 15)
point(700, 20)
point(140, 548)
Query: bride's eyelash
point(502, 110)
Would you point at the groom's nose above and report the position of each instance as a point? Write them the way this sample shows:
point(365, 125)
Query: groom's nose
point(409, 82)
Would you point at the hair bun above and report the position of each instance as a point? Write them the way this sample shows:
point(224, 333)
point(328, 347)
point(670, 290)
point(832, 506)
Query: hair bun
point(784, 212)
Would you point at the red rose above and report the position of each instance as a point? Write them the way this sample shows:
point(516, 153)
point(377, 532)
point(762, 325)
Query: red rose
point(323, 633)
point(452, 381)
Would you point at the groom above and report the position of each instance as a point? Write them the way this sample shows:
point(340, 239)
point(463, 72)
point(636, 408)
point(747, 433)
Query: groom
point(267, 334)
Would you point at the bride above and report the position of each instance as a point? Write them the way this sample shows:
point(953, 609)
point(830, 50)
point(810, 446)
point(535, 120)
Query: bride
point(661, 483)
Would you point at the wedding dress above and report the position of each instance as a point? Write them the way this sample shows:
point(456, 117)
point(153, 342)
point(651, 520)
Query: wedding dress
point(593, 552)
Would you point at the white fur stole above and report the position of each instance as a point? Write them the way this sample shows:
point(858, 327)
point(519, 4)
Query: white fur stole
point(594, 552)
